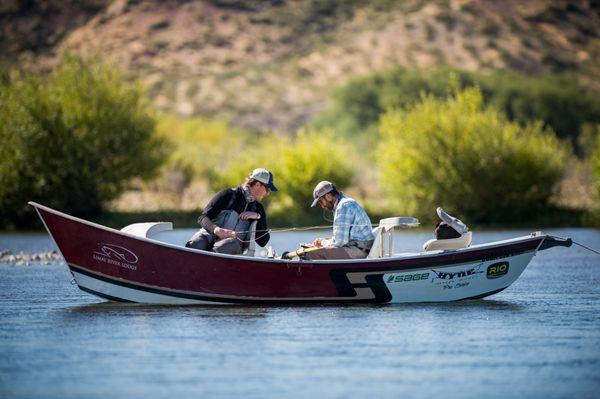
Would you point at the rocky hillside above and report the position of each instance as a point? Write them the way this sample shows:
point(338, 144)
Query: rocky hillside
point(273, 64)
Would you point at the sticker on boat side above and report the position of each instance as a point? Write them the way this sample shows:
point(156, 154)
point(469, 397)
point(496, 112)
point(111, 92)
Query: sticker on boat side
point(459, 274)
point(449, 280)
point(115, 255)
point(497, 270)
point(399, 278)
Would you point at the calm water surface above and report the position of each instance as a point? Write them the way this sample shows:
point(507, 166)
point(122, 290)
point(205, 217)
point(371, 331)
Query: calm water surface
point(539, 338)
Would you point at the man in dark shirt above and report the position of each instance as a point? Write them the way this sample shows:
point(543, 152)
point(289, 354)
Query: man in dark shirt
point(227, 217)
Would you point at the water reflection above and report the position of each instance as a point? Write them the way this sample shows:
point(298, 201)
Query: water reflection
point(116, 308)
point(250, 311)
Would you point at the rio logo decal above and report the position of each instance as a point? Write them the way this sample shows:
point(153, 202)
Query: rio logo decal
point(116, 255)
point(497, 270)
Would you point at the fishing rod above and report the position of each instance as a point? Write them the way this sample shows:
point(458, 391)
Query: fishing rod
point(298, 253)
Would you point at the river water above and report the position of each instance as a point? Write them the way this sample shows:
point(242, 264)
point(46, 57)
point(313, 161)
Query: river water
point(540, 338)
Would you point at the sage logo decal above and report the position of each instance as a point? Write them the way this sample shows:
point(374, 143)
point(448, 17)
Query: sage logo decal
point(407, 277)
point(116, 255)
point(497, 270)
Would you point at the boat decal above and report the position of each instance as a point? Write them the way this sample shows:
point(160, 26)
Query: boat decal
point(497, 270)
point(115, 255)
point(449, 280)
point(361, 285)
point(399, 278)
point(449, 275)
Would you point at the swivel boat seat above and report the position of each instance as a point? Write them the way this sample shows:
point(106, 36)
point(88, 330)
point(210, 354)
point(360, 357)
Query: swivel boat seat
point(443, 244)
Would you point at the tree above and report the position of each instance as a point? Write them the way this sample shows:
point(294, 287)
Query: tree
point(72, 140)
point(470, 160)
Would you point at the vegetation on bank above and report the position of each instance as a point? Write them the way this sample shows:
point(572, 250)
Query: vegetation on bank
point(298, 163)
point(468, 159)
point(402, 143)
point(72, 140)
point(558, 100)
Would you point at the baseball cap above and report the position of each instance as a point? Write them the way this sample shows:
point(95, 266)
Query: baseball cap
point(264, 176)
point(321, 189)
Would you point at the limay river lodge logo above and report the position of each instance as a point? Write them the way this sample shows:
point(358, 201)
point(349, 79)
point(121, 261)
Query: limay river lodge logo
point(116, 255)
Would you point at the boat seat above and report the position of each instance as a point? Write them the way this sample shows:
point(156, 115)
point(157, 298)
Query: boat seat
point(377, 247)
point(147, 230)
point(385, 232)
point(464, 241)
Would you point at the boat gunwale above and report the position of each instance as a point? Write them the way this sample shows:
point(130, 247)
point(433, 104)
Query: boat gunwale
point(367, 262)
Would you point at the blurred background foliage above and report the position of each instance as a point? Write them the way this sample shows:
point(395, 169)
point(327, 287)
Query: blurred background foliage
point(558, 100)
point(490, 148)
point(468, 159)
point(298, 163)
point(73, 140)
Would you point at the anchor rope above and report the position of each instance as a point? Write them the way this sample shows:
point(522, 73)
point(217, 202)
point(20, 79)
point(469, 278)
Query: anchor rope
point(586, 247)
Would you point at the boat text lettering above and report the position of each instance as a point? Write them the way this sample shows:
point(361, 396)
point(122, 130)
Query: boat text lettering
point(497, 270)
point(407, 277)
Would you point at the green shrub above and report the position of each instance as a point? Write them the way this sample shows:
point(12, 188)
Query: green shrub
point(298, 164)
point(72, 141)
point(468, 159)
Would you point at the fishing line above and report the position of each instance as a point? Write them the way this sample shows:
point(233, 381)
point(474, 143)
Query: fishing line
point(281, 230)
point(284, 229)
point(325, 216)
point(588, 248)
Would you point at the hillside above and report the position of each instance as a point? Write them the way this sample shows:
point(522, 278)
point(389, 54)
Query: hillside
point(273, 64)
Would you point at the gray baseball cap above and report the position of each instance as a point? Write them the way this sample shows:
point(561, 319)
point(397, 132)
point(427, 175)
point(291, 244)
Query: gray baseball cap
point(263, 176)
point(321, 189)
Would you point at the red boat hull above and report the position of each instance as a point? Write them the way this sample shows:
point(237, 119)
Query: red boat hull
point(111, 258)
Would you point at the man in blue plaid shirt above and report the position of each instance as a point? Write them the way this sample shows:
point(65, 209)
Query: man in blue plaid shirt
point(352, 235)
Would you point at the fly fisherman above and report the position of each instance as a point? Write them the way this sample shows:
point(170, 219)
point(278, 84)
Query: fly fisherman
point(226, 219)
point(352, 235)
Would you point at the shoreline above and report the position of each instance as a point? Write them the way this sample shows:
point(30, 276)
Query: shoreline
point(24, 259)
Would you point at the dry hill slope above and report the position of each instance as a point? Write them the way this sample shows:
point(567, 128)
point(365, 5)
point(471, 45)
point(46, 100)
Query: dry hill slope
point(272, 64)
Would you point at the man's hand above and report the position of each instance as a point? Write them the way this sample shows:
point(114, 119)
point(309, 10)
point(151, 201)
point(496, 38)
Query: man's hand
point(318, 242)
point(249, 215)
point(224, 233)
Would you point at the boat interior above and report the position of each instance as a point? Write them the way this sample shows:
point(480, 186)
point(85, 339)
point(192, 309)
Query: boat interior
point(383, 245)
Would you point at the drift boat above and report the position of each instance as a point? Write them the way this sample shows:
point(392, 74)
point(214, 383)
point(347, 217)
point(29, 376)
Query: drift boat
point(138, 264)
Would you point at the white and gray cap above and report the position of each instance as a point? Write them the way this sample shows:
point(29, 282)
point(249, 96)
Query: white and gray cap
point(321, 189)
point(263, 176)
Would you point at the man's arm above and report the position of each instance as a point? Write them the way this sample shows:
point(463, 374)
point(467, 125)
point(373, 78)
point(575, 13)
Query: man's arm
point(215, 206)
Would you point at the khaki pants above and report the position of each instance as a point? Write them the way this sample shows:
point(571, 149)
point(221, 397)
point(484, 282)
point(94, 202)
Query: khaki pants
point(336, 253)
